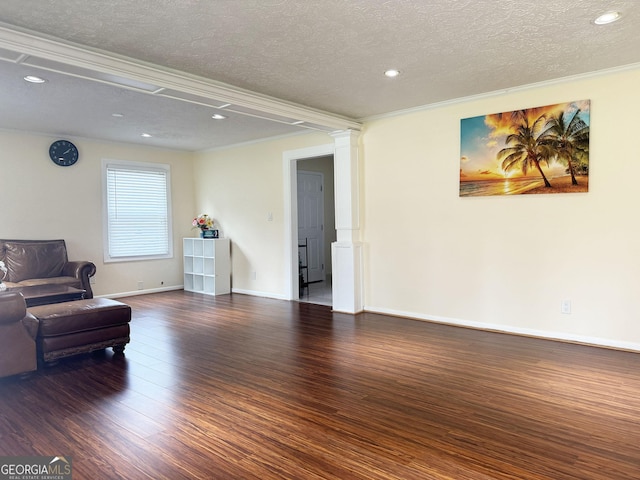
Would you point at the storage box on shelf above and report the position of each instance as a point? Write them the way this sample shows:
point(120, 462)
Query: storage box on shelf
point(207, 265)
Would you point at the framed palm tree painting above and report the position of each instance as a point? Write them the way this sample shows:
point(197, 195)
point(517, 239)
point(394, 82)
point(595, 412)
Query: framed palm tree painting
point(537, 150)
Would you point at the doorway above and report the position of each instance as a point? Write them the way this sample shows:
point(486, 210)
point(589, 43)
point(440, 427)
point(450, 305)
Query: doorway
point(347, 251)
point(316, 228)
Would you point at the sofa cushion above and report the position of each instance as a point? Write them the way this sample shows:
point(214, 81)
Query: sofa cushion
point(68, 281)
point(34, 260)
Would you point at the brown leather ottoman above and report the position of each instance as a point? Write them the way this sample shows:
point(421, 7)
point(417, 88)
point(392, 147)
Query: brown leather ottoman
point(81, 326)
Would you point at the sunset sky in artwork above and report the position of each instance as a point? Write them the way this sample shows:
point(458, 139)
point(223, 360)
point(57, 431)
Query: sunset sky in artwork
point(481, 138)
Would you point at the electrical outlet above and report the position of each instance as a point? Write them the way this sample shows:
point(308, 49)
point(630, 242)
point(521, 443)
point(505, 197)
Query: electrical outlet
point(254, 275)
point(565, 306)
point(140, 285)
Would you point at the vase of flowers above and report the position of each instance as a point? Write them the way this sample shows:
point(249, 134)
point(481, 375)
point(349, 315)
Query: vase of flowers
point(203, 222)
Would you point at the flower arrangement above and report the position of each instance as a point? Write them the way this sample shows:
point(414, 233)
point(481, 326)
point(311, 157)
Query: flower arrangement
point(203, 222)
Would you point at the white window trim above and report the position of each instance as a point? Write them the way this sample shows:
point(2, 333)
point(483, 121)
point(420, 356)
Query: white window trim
point(105, 226)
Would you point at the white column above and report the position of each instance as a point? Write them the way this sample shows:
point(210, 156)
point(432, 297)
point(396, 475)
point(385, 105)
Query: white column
point(346, 252)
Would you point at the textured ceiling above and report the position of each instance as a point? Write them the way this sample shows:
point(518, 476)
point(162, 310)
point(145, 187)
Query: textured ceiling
point(66, 106)
point(329, 55)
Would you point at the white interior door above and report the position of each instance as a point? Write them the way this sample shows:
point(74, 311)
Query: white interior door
point(310, 223)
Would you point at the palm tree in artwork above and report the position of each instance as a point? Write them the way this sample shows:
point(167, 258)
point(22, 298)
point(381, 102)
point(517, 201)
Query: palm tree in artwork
point(569, 139)
point(524, 147)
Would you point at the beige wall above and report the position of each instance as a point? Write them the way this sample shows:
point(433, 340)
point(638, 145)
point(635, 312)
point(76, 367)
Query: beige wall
point(42, 201)
point(240, 187)
point(506, 262)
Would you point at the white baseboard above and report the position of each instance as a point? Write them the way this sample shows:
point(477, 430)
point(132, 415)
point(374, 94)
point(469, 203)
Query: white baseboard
point(254, 293)
point(141, 292)
point(492, 327)
point(259, 294)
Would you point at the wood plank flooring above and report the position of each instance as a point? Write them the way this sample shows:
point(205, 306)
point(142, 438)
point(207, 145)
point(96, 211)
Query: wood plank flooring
point(240, 387)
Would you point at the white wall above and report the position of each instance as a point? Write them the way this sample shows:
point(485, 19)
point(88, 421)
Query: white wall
point(240, 187)
point(43, 201)
point(506, 262)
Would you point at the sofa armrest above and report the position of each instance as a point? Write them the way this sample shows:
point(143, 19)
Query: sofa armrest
point(81, 270)
point(31, 323)
point(12, 307)
point(18, 331)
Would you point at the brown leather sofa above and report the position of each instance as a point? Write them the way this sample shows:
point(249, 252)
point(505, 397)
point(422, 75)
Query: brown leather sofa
point(41, 262)
point(18, 331)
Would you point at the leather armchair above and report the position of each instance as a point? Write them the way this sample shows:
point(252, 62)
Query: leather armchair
point(18, 330)
point(44, 262)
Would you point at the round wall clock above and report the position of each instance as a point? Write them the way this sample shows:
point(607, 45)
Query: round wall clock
point(63, 153)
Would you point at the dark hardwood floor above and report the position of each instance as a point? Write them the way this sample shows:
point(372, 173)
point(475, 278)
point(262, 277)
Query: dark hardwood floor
point(240, 387)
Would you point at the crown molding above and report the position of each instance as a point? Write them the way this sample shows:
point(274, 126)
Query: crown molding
point(505, 91)
point(81, 61)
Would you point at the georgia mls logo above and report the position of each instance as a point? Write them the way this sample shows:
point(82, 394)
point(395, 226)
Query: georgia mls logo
point(35, 468)
point(59, 465)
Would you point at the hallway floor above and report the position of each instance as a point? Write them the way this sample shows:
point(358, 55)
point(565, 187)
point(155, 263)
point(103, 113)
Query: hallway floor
point(318, 293)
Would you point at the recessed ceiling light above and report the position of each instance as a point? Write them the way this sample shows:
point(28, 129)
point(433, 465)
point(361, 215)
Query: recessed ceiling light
point(392, 73)
point(298, 122)
point(146, 135)
point(217, 116)
point(117, 115)
point(607, 18)
point(34, 79)
point(225, 105)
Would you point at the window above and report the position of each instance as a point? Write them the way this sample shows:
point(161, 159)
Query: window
point(137, 222)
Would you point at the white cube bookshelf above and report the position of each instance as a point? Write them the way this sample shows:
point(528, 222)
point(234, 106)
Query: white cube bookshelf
point(207, 265)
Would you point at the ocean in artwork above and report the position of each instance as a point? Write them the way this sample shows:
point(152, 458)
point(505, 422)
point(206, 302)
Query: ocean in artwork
point(506, 186)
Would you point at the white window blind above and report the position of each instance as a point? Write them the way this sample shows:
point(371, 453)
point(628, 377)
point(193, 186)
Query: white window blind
point(137, 211)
